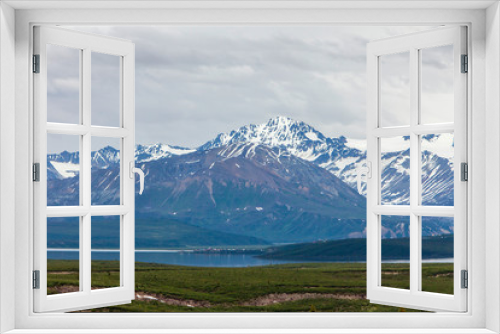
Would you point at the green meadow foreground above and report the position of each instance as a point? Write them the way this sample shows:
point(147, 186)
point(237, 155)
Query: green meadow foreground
point(299, 287)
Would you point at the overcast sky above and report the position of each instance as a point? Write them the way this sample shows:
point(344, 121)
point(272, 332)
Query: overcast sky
point(195, 82)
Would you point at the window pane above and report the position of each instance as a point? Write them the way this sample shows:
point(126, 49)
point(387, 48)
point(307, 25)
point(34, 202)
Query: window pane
point(63, 170)
point(437, 254)
point(105, 252)
point(437, 90)
point(63, 256)
point(395, 89)
point(395, 234)
point(105, 90)
point(437, 169)
point(106, 171)
point(63, 84)
point(395, 170)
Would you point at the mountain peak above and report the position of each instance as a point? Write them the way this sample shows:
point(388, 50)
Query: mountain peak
point(279, 131)
point(298, 138)
point(281, 120)
point(107, 148)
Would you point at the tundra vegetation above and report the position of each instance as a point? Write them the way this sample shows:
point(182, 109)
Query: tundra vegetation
point(298, 287)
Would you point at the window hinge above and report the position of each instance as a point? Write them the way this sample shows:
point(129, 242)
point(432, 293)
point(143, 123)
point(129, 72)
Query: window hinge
point(464, 171)
point(36, 279)
point(36, 172)
point(465, 64)
point(465, 279)
point(36, 63)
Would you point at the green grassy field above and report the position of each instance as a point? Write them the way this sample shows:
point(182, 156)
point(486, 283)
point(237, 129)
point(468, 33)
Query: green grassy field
point(303, 287)
point(436, 277)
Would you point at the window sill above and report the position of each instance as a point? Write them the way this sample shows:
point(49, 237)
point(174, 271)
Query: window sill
point(256, 331)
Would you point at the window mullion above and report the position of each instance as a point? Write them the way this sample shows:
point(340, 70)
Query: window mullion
point(86, 168)
point(414, 172)
point(127, 231)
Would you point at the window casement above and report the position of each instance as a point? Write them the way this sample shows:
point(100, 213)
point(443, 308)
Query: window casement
point(83, 209)
point(421, 120)
point(481, 301)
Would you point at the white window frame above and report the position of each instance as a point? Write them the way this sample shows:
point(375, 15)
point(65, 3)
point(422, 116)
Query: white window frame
point(86, 44)
point(483, 246)
point(414, 297)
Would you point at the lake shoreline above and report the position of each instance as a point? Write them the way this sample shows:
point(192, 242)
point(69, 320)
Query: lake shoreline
point(212, 258)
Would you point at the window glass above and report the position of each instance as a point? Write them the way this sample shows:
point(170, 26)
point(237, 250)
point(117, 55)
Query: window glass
point(63, 170)
point(106, 90)
point(63, 84)
point(437, 87)
point(105, 252)
point(395, 170)
point(63, 255)
point(106, 166)
point(394, 92)
point(395, 234)
point(437, 254)
point(438, 169)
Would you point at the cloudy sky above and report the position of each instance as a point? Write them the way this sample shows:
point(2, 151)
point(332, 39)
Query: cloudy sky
point(193, 82)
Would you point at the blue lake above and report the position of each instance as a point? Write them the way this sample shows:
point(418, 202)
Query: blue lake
point(182, 258)
point(189, 258)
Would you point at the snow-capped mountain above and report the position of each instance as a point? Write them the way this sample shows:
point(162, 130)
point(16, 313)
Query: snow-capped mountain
point(67, 164)
point(337, 155)
point(296, 137)
point(243, 188)
point(341, 156)
point(282, 181)
point(105, 157)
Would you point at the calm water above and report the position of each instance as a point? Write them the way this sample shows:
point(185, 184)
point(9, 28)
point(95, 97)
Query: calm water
point(187, 258)
point(184, 258)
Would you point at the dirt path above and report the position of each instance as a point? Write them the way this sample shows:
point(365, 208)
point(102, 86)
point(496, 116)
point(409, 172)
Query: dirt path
point(276, 298)
point(62, 289)
point(144, 296)
point(271, 299)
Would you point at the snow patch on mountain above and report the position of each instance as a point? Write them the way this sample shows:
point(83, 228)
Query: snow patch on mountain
point(145, 153)
point(359, 144)
point(441, 145)
point(66, 169)
point(312, 136)
point(394, 144)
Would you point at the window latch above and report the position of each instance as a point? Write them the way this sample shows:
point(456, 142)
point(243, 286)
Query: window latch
point(363, 170)
point(133, 170)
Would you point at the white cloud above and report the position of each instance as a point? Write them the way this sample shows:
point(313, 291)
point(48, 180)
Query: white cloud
point(193, 82)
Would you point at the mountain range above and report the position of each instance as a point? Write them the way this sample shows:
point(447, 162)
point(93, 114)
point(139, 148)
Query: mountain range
point(282, 181)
